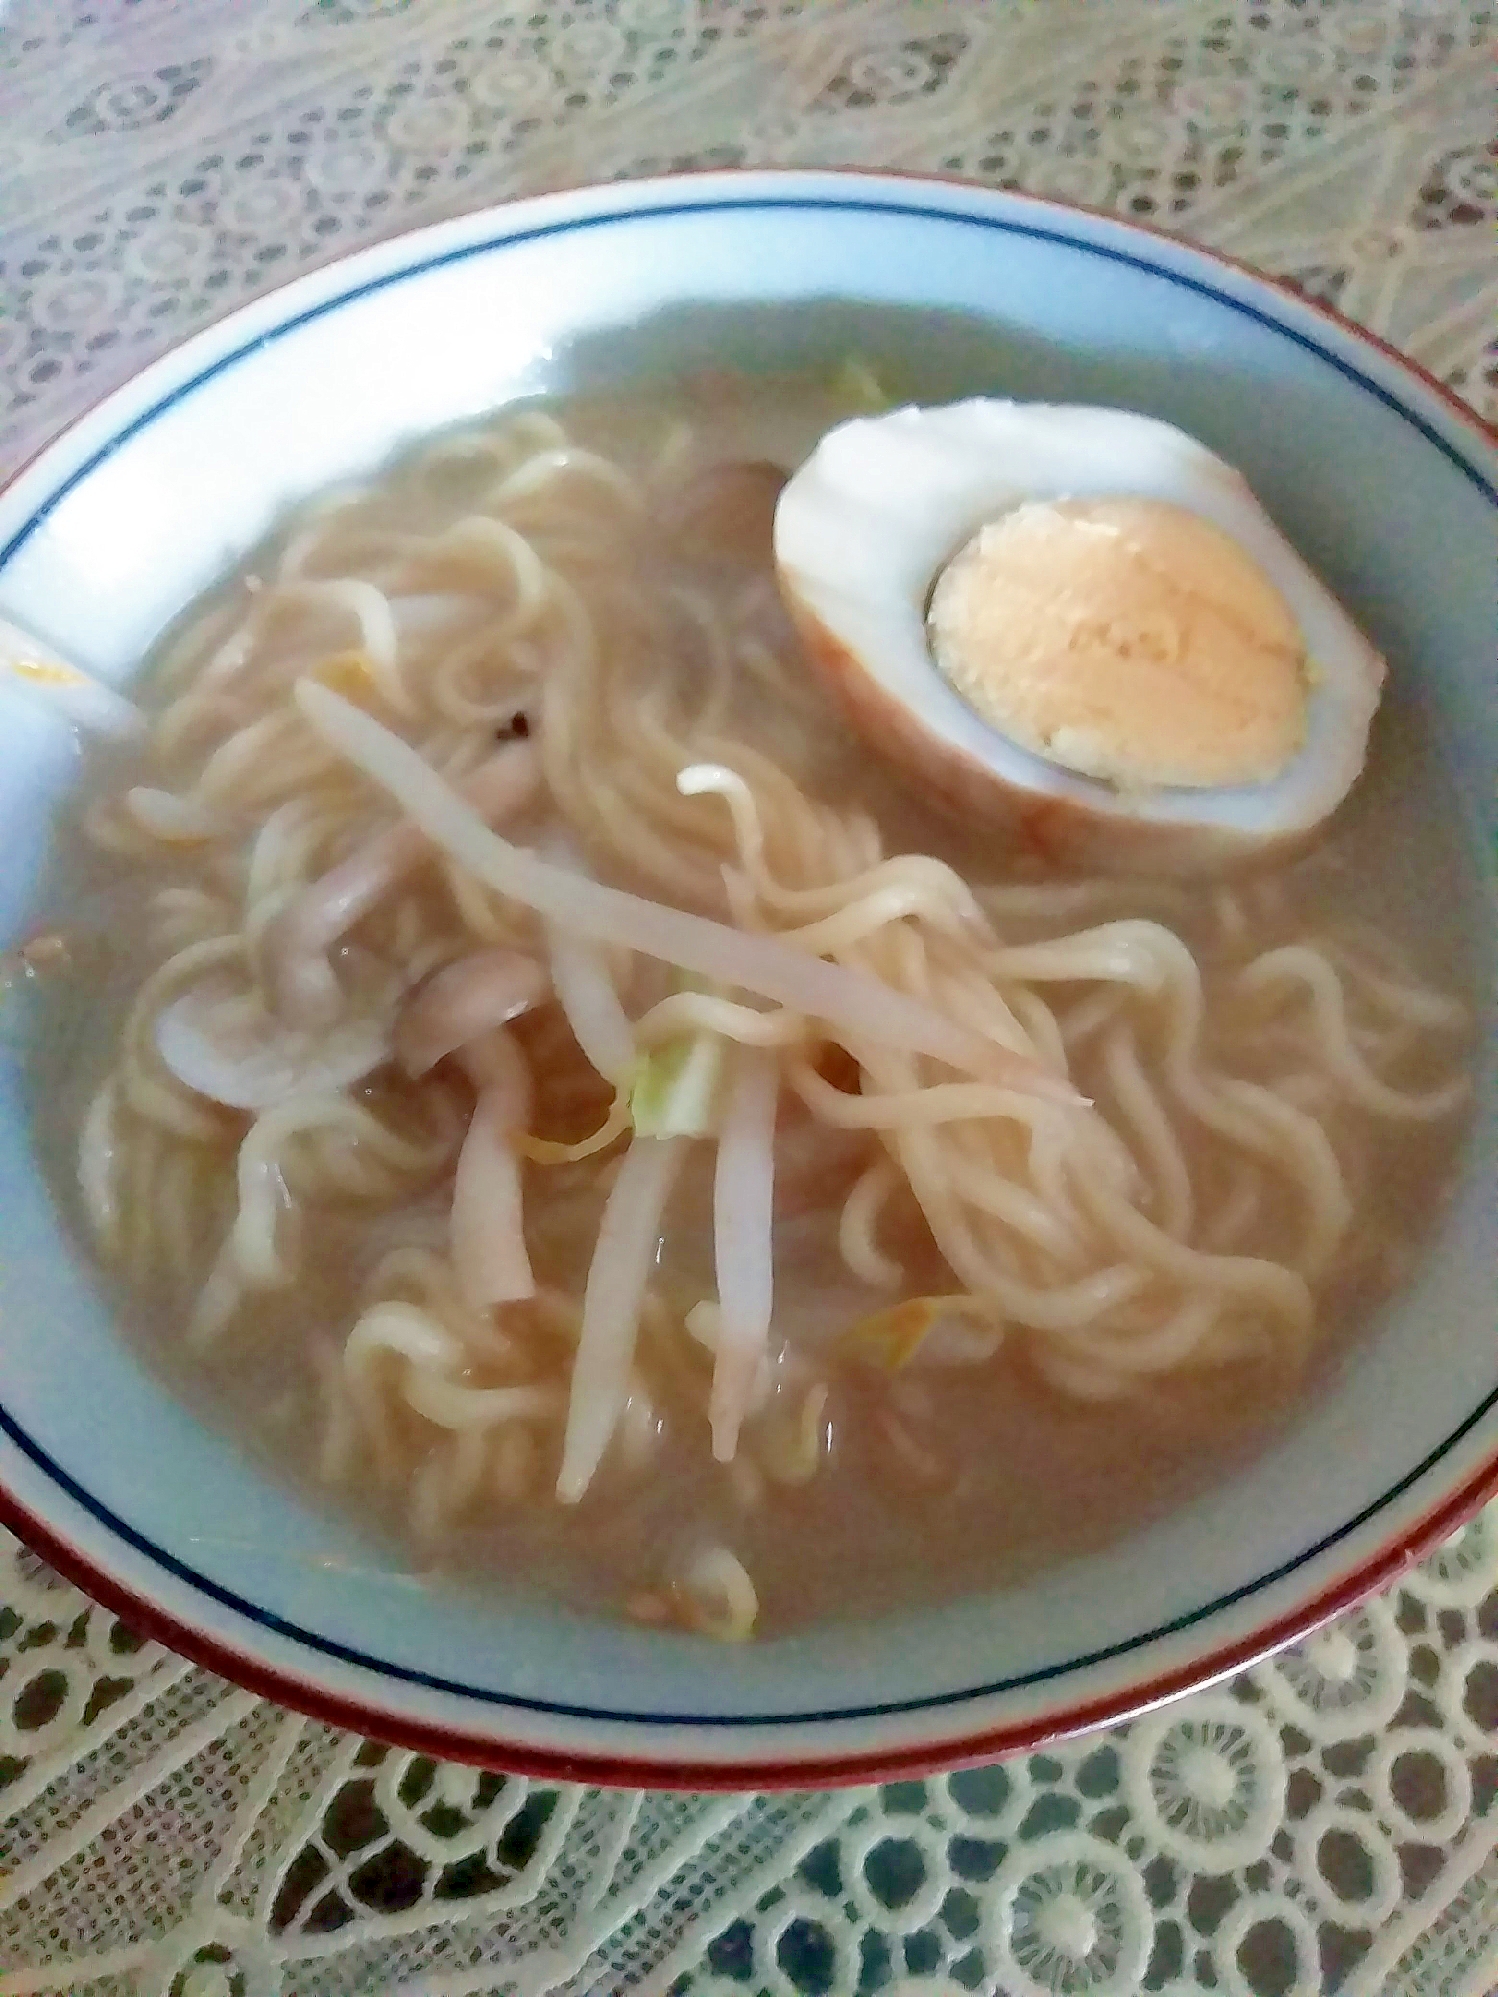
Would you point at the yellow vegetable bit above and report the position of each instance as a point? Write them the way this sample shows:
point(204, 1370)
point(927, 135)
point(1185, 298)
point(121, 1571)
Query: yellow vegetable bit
point(47, 672)
point(891, 1337)
point(352, 675)
point(858, 387)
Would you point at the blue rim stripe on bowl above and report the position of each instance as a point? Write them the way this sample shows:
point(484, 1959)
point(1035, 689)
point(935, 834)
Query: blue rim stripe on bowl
point(429, 1681)
point(277, 1625)
point(1033, 231)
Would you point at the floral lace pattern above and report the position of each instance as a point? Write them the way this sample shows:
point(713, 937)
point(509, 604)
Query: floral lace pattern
point(167, 1833)
point(1326, 1822)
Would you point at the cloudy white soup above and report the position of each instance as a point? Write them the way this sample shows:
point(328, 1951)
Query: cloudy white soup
point(745, 1007)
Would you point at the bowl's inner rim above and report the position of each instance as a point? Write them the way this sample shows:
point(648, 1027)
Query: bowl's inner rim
point(1081, 236)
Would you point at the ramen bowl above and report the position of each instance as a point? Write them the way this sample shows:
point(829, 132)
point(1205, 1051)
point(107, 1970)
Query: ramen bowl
point(1384, 482)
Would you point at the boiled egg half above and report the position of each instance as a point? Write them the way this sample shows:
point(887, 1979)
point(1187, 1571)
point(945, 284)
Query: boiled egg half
point(1078, 623)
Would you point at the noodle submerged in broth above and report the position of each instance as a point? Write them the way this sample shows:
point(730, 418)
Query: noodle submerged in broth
point(559, 1092)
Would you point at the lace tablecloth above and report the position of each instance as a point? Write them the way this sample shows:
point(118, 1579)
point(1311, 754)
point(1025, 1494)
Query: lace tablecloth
point(1328, 1821)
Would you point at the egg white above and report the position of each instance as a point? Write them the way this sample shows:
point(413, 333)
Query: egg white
point(870, 519)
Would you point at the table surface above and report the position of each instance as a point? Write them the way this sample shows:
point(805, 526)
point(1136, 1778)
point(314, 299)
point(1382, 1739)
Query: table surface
point(1326, 1822)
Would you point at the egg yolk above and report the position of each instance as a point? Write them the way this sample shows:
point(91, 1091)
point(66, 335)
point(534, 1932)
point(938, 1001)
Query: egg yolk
point(1125, 639)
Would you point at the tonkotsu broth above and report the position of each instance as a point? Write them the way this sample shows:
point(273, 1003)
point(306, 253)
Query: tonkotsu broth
point(854, 1488)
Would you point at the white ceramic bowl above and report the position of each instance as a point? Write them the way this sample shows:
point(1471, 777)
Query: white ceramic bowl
point(1386, 484)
